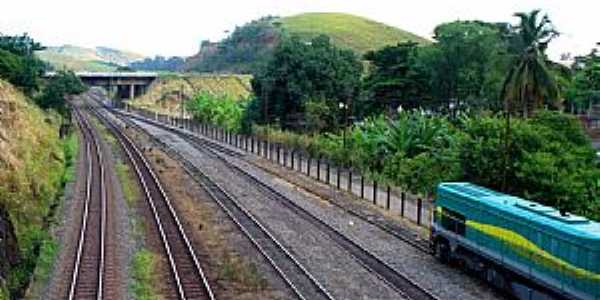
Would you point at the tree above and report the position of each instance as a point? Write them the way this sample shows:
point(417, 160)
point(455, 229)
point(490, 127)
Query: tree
point(466, 63)
point(396, 80)
point(63, 84)
point(159, 63)
point(22, 45)
point(530, 84)
point(18, 64)
point(585, 85)
point(299, 72)
point(244, 51)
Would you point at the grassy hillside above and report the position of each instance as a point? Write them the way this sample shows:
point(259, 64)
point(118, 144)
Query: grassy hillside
point(33, 163)
point(357, 33)
point(86, 59)
point(251, 44)
point(162, 96)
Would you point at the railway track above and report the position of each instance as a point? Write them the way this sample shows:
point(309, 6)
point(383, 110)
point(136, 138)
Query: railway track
point(87, 280)
point(293, 273)
point(188, 278)
point(405, 236)
point(399, 282)
point(304, 285)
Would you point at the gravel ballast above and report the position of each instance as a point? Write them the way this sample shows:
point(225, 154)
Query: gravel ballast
point(443, 281)
point(339, 273)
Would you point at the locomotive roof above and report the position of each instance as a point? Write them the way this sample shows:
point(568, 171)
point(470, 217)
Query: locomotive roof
point(569, 224)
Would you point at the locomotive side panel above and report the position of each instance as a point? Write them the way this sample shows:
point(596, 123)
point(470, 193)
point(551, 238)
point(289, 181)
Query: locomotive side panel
point(541, 251)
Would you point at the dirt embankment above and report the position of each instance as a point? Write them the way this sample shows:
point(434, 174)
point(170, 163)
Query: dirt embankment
point(163, 95)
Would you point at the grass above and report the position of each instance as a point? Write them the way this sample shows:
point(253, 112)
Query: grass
point(48, 246)
point(62, 61)
point(130, 192)
point(143, 264)
point(235, 269)
point(143, 273)
point(71, 148)
point(34, 165)
point(354, 32)
point(85, 59)
point(162, 95)
point(48, 250)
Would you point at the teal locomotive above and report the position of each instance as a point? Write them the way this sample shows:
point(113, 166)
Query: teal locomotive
point(531, 250)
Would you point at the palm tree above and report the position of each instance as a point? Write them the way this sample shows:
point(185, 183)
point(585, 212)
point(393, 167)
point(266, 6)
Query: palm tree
point(530, 83)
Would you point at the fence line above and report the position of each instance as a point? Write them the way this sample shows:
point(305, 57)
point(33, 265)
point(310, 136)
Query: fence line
point(394, 199)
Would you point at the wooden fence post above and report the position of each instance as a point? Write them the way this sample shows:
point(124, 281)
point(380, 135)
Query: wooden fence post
point(374, 192)
point(350, 180)
point(387, 201)
point(402, 203)
point(338, 178)
point(362, 186)
point(419, 210)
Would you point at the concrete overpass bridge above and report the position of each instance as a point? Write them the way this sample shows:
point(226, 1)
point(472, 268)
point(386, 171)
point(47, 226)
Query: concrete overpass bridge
point(119, 85)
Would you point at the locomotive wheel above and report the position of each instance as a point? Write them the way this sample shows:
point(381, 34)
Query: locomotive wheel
point(442, 251)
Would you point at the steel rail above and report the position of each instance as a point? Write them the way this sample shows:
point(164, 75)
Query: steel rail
point(91, 141)
point(422, 247)
point(240, 216)
point(133, 152)
point(396, 280)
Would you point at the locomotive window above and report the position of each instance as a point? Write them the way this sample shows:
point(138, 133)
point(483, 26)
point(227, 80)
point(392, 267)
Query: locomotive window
point(453, 221)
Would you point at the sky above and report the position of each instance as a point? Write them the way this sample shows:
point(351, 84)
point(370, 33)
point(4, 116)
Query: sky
point(176, 27)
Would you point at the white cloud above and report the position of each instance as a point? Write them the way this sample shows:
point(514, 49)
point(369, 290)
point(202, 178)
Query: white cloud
point(176, 27)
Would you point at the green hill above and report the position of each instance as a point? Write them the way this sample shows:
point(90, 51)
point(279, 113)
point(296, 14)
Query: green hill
point(86, 59)
point(252, 43)
point(345, 30)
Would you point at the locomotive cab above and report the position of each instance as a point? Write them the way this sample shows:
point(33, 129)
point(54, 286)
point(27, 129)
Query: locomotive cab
point(528, 249)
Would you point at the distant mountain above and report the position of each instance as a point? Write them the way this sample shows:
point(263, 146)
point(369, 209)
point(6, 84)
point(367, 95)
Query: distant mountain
point(251, 43)
point(86, 59)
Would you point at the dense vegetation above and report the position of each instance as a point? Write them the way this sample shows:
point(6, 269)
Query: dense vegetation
point(304, 84)
point(35, 166)
point(64, 83)
point(582, 87)
point(246, 48)
point(221, 110)
point(159, 63)
point(18, 64)
point(481, 104)
point(164, 94)
point(35, 163)
point(551, 160)
point(251, 45)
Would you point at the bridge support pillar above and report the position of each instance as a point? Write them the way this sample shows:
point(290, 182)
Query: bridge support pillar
point(131, 91)
point(110, 90)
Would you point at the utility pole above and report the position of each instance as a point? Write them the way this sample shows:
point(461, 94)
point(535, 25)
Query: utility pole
point(507, 137)
point(265, 94)
point(181, 102)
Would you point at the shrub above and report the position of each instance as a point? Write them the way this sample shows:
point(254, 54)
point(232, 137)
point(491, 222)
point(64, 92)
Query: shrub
point(549, 160)
point(220, 110)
